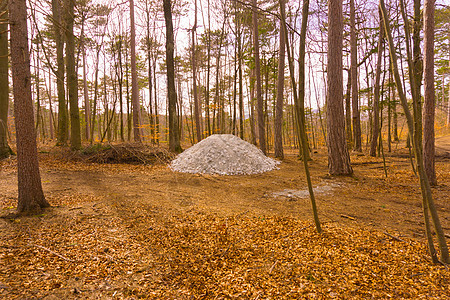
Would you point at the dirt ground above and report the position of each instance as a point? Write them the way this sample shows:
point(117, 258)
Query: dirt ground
point(118, 200)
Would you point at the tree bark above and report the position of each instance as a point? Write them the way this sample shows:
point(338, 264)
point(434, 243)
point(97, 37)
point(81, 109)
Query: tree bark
point(300, 106)
point(338, 156)
point(376, 100)
point(72, 78)
point(134, 84)
point(174, 137)
point(278, 122)
point(259, 100)
point(5, 150)
point(429, 97)
point(198, 127)
point(59, 73)
point(31, 196)
point(354, 80)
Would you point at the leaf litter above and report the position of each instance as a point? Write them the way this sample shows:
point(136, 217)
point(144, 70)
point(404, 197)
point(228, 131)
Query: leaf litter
point(94, 246)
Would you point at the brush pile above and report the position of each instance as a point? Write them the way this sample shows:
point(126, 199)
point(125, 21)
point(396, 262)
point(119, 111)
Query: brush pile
point(126, 153)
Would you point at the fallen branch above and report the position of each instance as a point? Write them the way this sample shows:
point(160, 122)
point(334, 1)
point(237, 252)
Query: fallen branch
point(53, 252)
point(394, 237)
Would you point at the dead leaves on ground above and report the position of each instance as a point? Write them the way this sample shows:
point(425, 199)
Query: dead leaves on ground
point(109, 249)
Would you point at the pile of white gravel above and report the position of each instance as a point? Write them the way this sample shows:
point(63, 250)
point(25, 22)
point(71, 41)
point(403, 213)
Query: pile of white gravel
point(223, 154)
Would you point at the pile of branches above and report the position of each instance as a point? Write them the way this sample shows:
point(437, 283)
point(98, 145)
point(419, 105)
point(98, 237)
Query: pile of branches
point(127, 153)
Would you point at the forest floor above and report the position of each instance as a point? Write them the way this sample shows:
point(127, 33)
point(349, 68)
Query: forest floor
point(134, 231)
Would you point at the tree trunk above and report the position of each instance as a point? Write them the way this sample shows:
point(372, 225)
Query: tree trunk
point(338, 156)
point(302, 133)
point(31, 197)
point(376, 100)
point(59, 73)
point(259, 100)
point(134, 84)
point(5, 150)
point(300, 106)
point(240, 79)
point(429, 98)
point(278, 122)
point(174, 137)
point(427, 199)
point(348, 111)
point(87, 105)
point(198, 127)
point(72, 78)
point(354, 80)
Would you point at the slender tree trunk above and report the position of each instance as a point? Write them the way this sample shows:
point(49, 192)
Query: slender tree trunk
point(301, 63)
point(348, 111)
point(338, 156)
point(5, 150)
point(278, 138)
point(418, 67)
point(87, 105)
point(376, 100)
point(259, 100)
point(51, 118)
point(302, 135)
point(240, 79)
point(62, 110)
point(429, 98)
point(72, 78)
point(134, 84)
point(428, 202)
point(174, 137)
point(31, 197)
point(198, 126)
point(354, 80)
point(208, 74)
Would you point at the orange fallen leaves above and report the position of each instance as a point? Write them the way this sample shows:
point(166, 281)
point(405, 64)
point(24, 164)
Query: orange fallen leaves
point(198, 255)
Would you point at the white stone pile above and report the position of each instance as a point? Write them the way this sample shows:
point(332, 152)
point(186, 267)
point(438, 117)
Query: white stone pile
point(223, 154)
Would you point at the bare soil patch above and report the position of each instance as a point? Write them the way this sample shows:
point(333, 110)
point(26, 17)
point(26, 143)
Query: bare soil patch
point(144, 231)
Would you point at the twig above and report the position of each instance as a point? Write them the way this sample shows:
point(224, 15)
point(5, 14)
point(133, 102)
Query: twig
point(273, 266)
point(53, 252)
point(348, 217)
point(394, 237)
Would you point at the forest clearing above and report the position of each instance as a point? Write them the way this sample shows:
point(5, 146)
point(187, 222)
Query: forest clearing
point(144, 231)
point(231, 149)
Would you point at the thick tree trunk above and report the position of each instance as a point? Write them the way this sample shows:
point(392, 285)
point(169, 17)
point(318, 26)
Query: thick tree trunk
point(174, 137)
point(72, 78)
point(278, 122)
point(429, 98)
point(259, 100)
point(338, 156)
point(134, 84)
point(31, 197)
point(5, 150)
